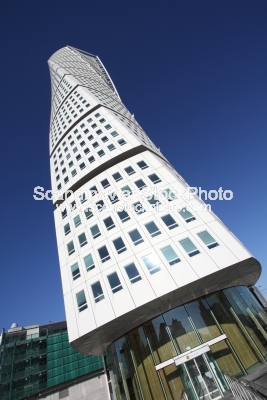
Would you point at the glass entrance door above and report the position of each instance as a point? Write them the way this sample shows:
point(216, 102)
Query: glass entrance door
point(202, 379)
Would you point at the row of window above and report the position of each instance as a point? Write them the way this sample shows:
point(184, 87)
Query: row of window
point(151, 262)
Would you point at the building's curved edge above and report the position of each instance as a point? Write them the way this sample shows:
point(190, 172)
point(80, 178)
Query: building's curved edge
point(244, 273)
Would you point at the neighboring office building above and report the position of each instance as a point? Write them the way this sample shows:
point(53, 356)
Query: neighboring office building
point(37, 362)
point(165, 291)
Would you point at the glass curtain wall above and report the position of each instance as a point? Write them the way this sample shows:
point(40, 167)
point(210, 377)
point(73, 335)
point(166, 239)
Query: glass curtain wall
point(234, 312)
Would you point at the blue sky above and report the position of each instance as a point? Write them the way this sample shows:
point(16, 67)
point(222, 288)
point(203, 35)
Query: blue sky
point(193, 73)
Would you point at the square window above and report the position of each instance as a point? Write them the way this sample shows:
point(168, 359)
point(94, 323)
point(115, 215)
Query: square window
point(189, 247)
point(114, 282)
point(142, 165)
point(93, 191)
point(206, 238)
point(114, 133)
point(111, 147)
point(86, 131)
point(109, 223)
point(133, 273)
point(89, 120)
point(123, 215)
point(100, 205)
point(121, 142)
point(89, 262)
point(95, 231)
point(151, 263)
point(154, 178)
point(129, 170)
point(140, 184)
point(78, 157)
point(88, 213)
point(187, 216)
point(136, 237)
point(97, 292)
point(77, 221)
point(152, 229)
point(73, 172)
point(81, 301)
point(91, 137)
point(105, 183)
point(102, 120)
point(119, 245)
point(169, 221)
point(113, 198)
point(101, 153)
point(126, 190)
point(82, 239)
point(86, 151)
point(82, 165)
point(70, 247)
point(75, 271)
point(82, 143)
point(94, 126)
point(67, 229)
point(72, 143)
point(170, 255)
point(75, 149)
point(104, 139)
point(108, 127)
point(68, 156)
point(97, 115)
point(95, 145)
point(70, 164)
point(138, 208)
point(91, 159)
point(99, 132)
point(103, 254)
point(117, 177)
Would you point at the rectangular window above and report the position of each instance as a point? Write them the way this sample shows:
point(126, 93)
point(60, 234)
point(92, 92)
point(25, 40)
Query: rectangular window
point(82, 239)
point(97, 115)
point(108, 127)
point(104, 139)
point(86, 151)
point(66, 180)
point(121, 142)
point(89, 120)
point(95, 145)
point(129, 170)
point(82, 165)
point(67, 229)
point(114, 133)
point(86, 130)
point(101, 153)
point(189, 247)
point(152, 229)
point(109, 223)
point(91, 137)
point(170, 255)
point(93, 191)
point(114, 282)
point(89, 262)
point(105, 183)
point(133, 273)
point(81, 301)
point(77, 221)
point(83, 198)
point(140, 184)
point(187, 216)
point(142, 165)
point(209, 241)
point(78, 157)
point(103, 254)
point(68, 156)
point(73, 172)
point(169, 195)
point(97, 292)
point(75, 271)
point(99, 132)
point(73, 205)
point(138, 208)
point(152, 264)
point(154, 178)
point(79, 137)
point(126, 190)
point(169, 221)
point(100, 205)
point(111, 147)
point(95, 231)
point(64, 213)
point(70, 247)
point(88, 213)
point(119, 245)
point(94, 126)
point(75, 150)
point(117, 177)
point(113, 198)
point(82, 143)
point(136, 237)
point(70, 164)
point(123, 215)
point(91, 159)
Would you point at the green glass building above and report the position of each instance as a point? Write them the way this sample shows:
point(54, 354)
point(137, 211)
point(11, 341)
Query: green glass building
point(38, 362)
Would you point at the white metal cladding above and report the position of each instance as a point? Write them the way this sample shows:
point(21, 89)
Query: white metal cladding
point(103, 147)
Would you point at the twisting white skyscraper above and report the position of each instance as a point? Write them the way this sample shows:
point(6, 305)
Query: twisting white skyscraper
point(135, 244)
